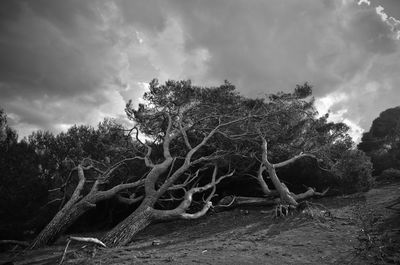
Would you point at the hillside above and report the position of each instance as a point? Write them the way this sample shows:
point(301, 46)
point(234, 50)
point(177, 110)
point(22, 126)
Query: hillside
point(360, 230)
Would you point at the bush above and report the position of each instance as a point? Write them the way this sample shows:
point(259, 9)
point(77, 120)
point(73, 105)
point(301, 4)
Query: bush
point(353, 172)
point(390, 174)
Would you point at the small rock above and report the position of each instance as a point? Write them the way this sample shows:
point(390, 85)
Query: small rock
point(156, 242)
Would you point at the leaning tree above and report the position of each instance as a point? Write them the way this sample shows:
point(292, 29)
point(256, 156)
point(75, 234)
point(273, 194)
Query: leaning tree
point(189, 139)
point(282, 129)
point(194, 127)
point(181, 120)
point(88, 166)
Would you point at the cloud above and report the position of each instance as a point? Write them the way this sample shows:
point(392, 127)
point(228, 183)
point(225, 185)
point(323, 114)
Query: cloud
point(340, 47)
point(367, 2)
point(392, 22)
point(66, 62)
point(53, 69)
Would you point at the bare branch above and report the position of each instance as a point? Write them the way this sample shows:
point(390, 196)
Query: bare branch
point(106, 176)
point(88, 240)
point(167, 138)
point(113, 191)
point(180, 211)
point(149, 149)
point(188, 180)
point(170, 181)
point(208, 203)
point(76, 194)
point(198, 214)
point(293, 159)
point(309, 193)
point(185, 137)
point(261, 180)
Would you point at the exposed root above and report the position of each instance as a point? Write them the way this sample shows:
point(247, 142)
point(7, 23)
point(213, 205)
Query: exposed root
point(283, 210)
point(313, 210)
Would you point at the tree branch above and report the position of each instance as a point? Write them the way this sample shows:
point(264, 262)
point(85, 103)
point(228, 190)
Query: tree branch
point(261, 180)
point(167, 138)
point(293, 159)
point(106, 176)
point(113, 191)
point(147, 160)
point(180, 211)
point(185, 137)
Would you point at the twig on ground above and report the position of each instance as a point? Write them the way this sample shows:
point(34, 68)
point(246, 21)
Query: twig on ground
point(81, 239)
point(65, 251)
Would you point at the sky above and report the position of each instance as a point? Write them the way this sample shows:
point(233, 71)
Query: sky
point(65, 62)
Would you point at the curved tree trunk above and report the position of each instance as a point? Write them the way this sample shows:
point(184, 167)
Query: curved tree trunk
point(123, 233)
point(75, 208)
point(281, 194)
point(143, 216)
point(61, 222)
point(63, 217)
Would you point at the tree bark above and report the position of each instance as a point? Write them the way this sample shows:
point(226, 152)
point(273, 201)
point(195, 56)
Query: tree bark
point(123, 233)
point(63, 217)
point(285, 194)
point(61, 222)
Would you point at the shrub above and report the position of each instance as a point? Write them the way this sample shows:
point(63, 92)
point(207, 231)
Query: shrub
point(353, 172)
point(390, 174)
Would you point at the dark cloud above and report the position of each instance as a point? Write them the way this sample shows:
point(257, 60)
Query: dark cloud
point(53, 54)
point(266, 45)
point(69, 61)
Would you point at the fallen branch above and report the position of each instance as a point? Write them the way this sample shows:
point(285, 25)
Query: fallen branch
point(65, 251)
point(80, 239)
point(88, 240)
point(234, 201)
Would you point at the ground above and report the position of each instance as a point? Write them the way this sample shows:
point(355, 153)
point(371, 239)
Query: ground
point(360, 230)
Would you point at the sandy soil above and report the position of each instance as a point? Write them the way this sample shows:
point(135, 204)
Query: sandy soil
point(360, 231)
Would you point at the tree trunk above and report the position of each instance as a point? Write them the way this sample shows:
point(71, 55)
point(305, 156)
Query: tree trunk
point(61, 222)
point(76, 207)
point(123, 233)
point(65, 217)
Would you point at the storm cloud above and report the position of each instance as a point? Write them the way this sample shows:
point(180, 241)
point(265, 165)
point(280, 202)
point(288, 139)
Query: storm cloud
point(65, 62)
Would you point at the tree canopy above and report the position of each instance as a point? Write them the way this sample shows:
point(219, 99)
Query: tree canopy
point(185, 141)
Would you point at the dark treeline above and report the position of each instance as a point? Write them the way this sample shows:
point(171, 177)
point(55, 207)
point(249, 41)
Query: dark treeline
point(199, 142)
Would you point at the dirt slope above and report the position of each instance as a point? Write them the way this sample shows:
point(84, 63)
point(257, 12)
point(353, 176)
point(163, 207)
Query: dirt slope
point(354, 234)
